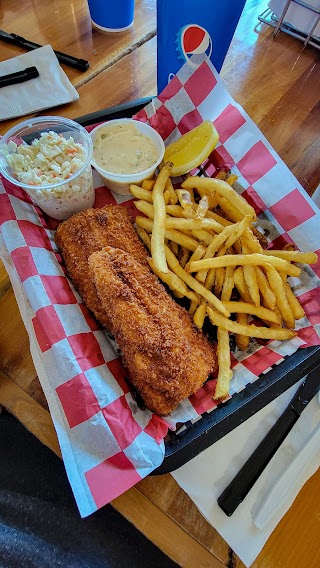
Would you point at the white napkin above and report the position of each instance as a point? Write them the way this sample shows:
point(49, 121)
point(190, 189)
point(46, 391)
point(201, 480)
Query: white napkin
point(50, 89)
point(206, 476)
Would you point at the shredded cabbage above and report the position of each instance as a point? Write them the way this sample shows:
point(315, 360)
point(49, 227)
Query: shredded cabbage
point(47, 160)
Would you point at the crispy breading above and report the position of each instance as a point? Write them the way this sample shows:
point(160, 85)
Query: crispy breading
point(167, 357)
point(89, 231)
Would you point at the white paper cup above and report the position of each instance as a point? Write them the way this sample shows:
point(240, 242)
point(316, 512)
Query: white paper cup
point(62, 199)
point(120, 183)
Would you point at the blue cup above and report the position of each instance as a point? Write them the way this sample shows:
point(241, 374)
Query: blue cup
point(112, 15)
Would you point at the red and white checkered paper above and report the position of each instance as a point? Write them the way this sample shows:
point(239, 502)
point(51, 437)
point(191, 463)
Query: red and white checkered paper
point(108, 443)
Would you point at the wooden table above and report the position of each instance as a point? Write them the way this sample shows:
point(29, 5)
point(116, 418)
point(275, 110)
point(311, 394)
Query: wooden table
point(277, 82)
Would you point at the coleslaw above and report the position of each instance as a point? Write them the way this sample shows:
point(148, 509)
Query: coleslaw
point(48, 160)
point(54, 167)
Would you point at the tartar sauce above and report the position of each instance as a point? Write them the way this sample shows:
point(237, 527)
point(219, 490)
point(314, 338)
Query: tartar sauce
point(123, 149)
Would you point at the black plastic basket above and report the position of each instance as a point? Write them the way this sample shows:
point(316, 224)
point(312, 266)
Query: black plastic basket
point(195, 436)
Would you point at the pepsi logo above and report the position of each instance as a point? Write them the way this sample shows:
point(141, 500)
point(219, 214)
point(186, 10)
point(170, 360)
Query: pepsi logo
point(193, 40)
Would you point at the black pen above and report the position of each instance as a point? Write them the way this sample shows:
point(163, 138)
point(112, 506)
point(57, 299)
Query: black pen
point(19, 77)
point(80, 64)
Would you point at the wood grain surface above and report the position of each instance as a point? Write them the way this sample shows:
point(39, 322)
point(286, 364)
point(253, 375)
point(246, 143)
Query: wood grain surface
point(67, 27)
point(277, 83)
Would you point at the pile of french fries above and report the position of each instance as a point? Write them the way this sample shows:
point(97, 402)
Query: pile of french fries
point(205, 247)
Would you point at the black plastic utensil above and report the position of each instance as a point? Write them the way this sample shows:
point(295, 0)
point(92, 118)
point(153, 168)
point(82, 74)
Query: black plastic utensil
point(15, 39)
point(240, 486)
point(19, 77)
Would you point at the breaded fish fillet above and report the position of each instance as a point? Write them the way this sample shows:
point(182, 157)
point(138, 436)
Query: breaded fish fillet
point(87, 232)
point(167, 357)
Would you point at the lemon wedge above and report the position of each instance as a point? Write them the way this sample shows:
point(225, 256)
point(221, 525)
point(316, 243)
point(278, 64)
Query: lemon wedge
point(192, 148)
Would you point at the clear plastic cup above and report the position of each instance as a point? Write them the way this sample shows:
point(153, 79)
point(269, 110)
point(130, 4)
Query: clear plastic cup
point(120, 183)
point(62, 199)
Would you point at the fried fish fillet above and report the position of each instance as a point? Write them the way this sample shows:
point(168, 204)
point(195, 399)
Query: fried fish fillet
point(89, 231)
point(167, 357)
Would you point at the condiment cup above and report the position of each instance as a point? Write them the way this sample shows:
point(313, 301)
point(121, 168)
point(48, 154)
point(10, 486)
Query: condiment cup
point(62, 199)
point(120, 183)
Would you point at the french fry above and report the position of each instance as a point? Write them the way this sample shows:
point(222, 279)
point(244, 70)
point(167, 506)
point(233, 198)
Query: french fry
point(260, 237)
point(177, 294)
point(148, 184)
point(254, 259)
point(200, 315)
point(192, 224)
point(191, 296)
point(158, 229)
point(244, 308)
point(184, 256)
point(210, 278)
point(174, 247)
point(250, 277)
point(192, 283)
point(278, 314)
point(242, 341)
point(203, 236)
point(171, 279)
point(175, 283)
point(277, 286)
point(224, 222)
point(229, 209)
point(146, 239)
point(294, 255)
point(212, 198)
point(221, 175)
point(213, 247)
point(218, 281)
point(252, 284)
point(228, 284)
point(241, 286)
point(185, 200)
point(223, 189)
point(202, 208)
point(265, 290)
point(231, 179)
point(197, 254)
point(191, 193)
point(218, 319)
point(193, 306)
point(175, 211)
point(171, 234)
point(251, 241)
point(173, 198)
point(224, 361)
point(219, 240)
point(141, 193)
point(166, 197)
point(144, 223)
point(296, 308)
point(145, 207)
point(238, 230)
point(182, 239)
point(178, 212)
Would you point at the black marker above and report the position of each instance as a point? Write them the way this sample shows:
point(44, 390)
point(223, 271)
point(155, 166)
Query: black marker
point(80, 64)
point(19, 77)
